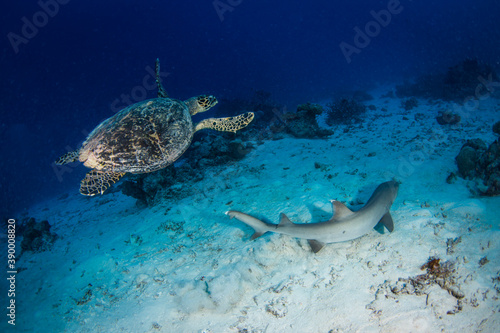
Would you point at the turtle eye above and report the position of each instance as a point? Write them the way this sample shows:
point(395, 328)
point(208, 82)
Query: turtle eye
point(202, 101)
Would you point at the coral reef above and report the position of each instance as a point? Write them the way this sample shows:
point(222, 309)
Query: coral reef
point(448, 118)
point(268, 123)
point(303, 123)
point(482, 164)
point(170, 182)
point(462, 79)
point(344, 111)
point(409, 103)
point(452, 178)
point(36, 236)
point(357, 95)
point(426, 86)
point(467, 78)
point(261, 103)
point(468, 158)
point(134, 187)
point(496, 128)
point(490, 170)
point(442, 274)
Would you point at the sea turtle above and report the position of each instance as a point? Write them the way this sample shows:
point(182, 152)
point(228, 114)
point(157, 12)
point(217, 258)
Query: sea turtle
point(145, 137)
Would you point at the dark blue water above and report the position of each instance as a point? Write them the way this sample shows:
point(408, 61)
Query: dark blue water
point(67, 65)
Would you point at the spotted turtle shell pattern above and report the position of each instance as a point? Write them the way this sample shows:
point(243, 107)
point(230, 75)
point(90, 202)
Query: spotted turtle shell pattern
point(143, 137)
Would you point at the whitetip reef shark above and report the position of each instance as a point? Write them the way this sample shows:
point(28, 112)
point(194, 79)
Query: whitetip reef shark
point(343, 226)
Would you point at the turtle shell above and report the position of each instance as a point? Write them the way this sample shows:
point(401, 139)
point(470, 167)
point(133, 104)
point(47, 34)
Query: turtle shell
point(143, 137)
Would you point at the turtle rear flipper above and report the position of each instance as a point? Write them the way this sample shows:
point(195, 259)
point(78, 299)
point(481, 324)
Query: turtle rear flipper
point(96, 182)
point(229, 124)
point(69, 157)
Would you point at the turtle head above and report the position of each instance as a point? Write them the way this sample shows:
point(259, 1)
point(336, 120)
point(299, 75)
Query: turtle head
point(200, 103)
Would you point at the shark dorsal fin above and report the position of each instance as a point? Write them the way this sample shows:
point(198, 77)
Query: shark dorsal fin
point(340, 210)
point(284, 220)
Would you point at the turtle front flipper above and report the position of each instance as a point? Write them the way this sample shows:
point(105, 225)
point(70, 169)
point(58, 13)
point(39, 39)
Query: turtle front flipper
point(229, 124)
point(96, 182)
point(69, 157)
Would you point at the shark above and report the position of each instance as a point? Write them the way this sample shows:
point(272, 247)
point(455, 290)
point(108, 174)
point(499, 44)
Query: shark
point(344, 225)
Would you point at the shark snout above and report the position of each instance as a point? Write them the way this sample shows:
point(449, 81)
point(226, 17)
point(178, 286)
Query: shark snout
point(394, 186)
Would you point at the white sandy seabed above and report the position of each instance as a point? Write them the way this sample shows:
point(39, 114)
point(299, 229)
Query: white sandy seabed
point(184, 266)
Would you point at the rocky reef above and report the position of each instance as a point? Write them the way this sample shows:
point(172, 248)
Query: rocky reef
point(268, 123)
point(36, 236)
point(448, 118)
point(496, 128)
point(409, 103)
point(344, 111)
point(476, 161)
point(303, 123)
point(357, 95)
point(174, 181)
point(470, 77)
point(260, 102)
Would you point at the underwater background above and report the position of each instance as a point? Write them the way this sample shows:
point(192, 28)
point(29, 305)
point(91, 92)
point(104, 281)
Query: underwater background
point(61, 80)
point(346, 95)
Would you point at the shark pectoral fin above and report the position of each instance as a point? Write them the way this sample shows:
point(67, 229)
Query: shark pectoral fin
point(379, 227)
point(257, 234)
point(284, 220)
point(386, 220)
point(316, 245)
point(340, 210)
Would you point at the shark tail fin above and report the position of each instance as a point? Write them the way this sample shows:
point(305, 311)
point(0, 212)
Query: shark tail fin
point(258, 226)
point(386, 221)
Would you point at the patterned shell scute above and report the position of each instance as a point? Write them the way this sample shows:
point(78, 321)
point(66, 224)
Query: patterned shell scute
point(143, 137)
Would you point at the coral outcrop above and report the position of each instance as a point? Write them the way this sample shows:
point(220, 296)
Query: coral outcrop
point(470, 77)
point(448, 118)
point(480, 163)
point(36, 236)
point(260, 102)
point(409, 103)
point(303, 123)
point(175, 180)
point(496, 128)
point(344, 111)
